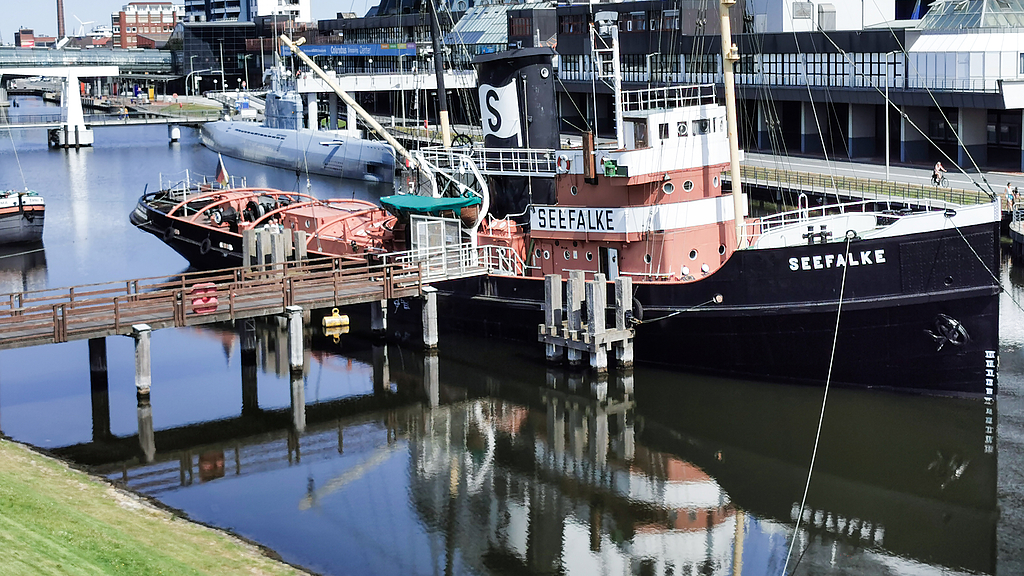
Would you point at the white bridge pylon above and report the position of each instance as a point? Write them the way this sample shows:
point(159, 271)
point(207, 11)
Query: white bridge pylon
point(73, 131)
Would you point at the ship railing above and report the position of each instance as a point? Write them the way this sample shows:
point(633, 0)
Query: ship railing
point(890, 208)
point(539, 162)
point(667, 97)
point(182, 184)
point(460, 261)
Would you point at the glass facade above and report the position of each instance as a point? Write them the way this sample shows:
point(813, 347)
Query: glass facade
point(215, 51)
point(959, 14)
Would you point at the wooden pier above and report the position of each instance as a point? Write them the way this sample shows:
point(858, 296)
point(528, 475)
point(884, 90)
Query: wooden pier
point(99, 310)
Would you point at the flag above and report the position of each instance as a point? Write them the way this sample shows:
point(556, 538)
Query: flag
point(222, 172)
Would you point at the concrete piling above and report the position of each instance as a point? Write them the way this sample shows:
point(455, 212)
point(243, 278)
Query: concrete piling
point(574, 294)
point(143, 366)
point(295, 348)
point(379, 318)
point(586, 300)
point(429, 317)
point(552, 313)
point(596, 296)
point(623, 303)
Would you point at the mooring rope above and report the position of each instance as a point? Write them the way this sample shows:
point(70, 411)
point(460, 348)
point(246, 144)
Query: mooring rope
point(984, 264)
point(821, 416)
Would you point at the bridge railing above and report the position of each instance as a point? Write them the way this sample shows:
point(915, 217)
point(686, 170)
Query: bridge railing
point(60, 314)
point(824, 183)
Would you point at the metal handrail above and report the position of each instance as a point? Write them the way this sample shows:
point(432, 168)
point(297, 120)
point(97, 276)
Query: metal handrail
point(512, 161)
point(879, 188)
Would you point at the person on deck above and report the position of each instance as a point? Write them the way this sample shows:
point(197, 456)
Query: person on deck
point(937, 172)
point(1010, 200)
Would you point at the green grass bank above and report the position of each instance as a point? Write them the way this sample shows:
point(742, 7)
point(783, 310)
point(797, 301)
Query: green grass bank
point(60, 521)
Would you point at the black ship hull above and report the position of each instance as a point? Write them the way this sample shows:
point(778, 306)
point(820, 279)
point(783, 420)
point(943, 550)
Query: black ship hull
point(919, 313)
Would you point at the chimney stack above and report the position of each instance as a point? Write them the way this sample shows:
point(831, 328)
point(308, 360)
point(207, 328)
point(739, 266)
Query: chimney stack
point(60, 19)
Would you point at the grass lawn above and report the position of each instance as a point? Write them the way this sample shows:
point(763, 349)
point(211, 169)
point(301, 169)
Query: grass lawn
point(56, 520)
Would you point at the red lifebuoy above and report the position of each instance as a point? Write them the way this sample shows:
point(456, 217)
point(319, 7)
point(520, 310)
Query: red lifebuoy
point(204, 298)
point(562, 164)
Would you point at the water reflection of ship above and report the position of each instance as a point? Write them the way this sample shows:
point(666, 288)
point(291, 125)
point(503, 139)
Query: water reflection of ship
point(511, 476)
point(913, 476)
point(22, 268)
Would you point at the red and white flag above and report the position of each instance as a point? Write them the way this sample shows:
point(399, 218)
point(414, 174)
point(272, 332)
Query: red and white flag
point(222, 172)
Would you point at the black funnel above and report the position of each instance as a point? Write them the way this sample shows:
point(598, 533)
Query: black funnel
point(518, 110)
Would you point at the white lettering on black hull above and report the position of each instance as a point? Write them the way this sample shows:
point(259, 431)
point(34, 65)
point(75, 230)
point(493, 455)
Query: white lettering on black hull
point(826, 261)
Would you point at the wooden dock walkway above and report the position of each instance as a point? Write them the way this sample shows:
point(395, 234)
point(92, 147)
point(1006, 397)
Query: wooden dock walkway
point(99, 310)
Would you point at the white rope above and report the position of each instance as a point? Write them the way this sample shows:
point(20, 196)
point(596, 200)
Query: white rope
point(821, 416)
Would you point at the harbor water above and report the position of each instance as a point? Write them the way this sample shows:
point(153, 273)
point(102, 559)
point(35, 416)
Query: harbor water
point(381, 459)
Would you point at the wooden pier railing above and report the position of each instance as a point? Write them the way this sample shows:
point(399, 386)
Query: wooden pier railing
point(98, 310)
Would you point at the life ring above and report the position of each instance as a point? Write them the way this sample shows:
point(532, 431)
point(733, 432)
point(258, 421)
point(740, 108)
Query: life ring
point(169, 233)
point(204, 246)
point(562, 164)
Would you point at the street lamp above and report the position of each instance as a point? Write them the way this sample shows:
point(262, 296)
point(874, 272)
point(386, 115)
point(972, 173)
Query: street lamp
point(191, 70)
point(245, 63)
point(650, 73)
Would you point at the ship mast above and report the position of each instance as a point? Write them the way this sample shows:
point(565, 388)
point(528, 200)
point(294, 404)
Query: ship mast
point(729, 57)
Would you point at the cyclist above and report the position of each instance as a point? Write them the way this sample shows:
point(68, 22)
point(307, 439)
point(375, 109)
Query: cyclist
point(937, 173)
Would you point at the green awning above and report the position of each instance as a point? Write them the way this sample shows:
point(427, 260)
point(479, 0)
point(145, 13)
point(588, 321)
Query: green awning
point(412, 204)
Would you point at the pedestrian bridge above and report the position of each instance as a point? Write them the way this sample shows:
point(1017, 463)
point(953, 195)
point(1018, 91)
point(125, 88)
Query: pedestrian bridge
point(133, 60)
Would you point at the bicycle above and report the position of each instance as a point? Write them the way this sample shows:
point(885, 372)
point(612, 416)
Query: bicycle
point(941, 181)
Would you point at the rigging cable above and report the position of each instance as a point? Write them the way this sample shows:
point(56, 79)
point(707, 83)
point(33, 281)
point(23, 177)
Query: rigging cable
point(821, 416)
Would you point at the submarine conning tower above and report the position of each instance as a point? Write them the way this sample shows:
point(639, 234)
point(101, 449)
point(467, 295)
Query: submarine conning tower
point(517, 111)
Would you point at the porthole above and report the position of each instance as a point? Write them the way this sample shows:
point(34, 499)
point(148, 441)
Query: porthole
point(688, 185)
point(544, 72)
point(681, 128)
point(574, 191)
point(647, 258)
point(539, 252)
point(307, 223)
point(590, 256)
point(575, 244)
point(668, 187)
point(693, 254)
point(556, 242)
point(714, 181)
point(566, 254)
point(547, 255)
point(721, 249)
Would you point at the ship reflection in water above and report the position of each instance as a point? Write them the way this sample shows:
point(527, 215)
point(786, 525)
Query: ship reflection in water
point(446, 465)
point(22, 268)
